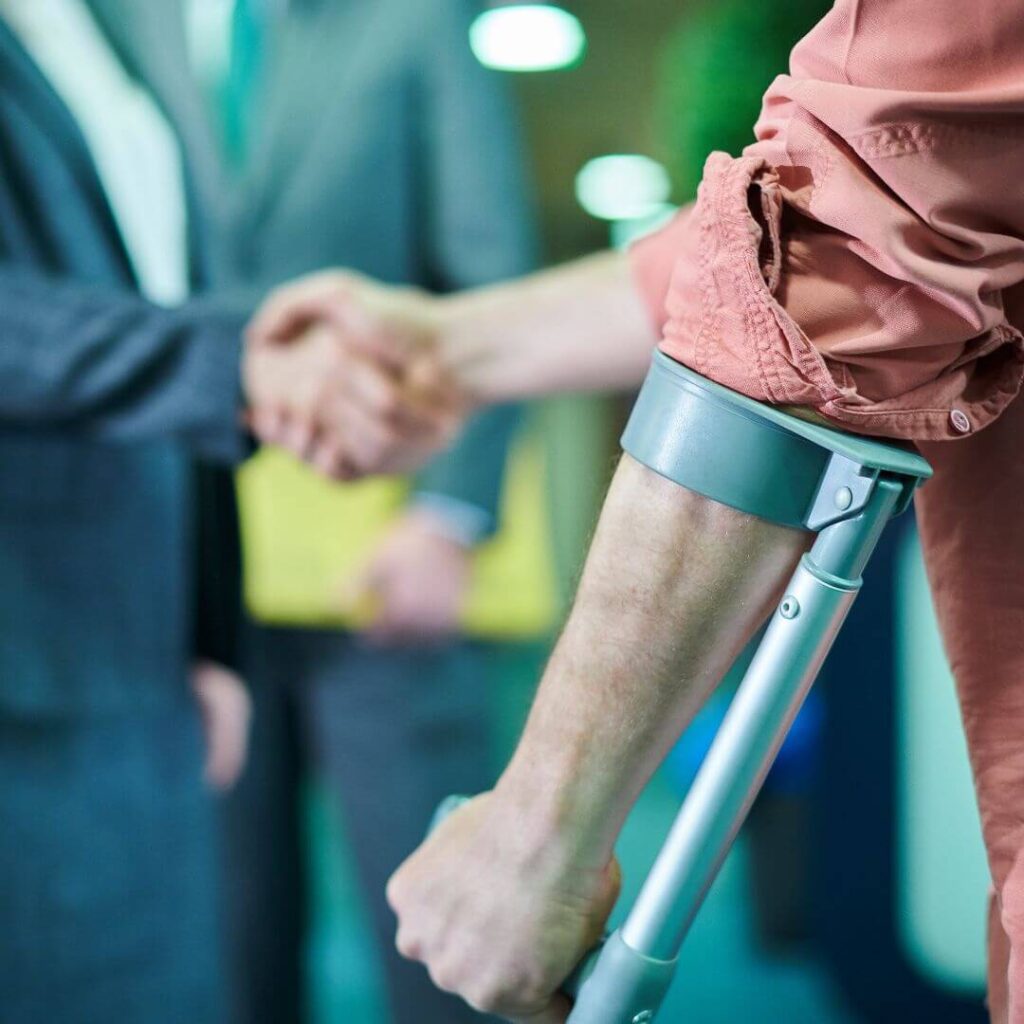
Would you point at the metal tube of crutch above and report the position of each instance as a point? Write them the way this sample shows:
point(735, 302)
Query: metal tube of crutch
point(629, 978)
point(773, 689)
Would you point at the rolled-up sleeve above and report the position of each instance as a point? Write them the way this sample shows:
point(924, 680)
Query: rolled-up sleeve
point(864, 257)
point(653, 259)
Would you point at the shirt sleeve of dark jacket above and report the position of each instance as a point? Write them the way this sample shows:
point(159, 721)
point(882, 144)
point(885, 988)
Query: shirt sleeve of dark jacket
point(107, 364)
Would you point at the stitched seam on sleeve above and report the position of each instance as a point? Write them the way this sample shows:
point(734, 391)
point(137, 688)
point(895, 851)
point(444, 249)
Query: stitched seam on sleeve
point(758, 314)
point(1009, 387)
point(748, 280)
point(908, 138)
point(810, 362)
point(758, 310)
point(708, 309)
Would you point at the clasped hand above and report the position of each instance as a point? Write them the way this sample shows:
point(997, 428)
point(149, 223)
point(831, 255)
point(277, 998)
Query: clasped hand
point(347, 374)
point(500, 911)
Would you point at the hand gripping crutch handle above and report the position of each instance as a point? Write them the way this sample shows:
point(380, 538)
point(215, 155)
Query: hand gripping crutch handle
point(763, 462)
point(596, 985)
point(448, 806)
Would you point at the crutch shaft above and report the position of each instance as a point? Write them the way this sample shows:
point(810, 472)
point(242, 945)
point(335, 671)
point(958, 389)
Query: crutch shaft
point(636, 963)
point(772, 692)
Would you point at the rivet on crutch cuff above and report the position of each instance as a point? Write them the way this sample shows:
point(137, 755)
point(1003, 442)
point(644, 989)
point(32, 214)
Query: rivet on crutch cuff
point(843, 498)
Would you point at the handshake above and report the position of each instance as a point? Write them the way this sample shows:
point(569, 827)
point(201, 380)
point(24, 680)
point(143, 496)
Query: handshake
point(350, 375)
point(356, 377)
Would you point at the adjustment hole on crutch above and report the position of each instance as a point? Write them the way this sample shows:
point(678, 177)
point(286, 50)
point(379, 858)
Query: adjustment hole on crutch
point(790, 607)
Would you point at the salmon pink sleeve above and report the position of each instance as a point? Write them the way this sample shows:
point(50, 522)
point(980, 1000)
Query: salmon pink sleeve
point(653, 258)
point(860, 258)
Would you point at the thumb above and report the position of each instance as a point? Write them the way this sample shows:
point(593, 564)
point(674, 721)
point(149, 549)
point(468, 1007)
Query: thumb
point(336, 304)
point(333, 300)
point(287, 312)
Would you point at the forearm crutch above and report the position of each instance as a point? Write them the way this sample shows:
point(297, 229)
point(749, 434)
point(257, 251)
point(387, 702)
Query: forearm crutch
point(769, 464)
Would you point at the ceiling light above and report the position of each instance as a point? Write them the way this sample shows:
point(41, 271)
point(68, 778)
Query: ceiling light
point(623, 187)
point(527, 37)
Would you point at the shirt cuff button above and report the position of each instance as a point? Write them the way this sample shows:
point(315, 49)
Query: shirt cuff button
point(961, 424)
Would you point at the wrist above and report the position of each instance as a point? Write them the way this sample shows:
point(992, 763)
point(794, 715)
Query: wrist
point(467, 330)
point(560, 803)
point(426, 517)
point(460, 522)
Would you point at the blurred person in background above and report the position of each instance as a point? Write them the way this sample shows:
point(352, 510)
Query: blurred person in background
point(112, 385)
point(364, 135)
point(121, 391)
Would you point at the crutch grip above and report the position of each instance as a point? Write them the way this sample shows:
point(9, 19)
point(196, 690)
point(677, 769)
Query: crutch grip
point(445, 809)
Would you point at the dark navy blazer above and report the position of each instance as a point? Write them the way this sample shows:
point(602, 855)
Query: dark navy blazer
point(106, 401)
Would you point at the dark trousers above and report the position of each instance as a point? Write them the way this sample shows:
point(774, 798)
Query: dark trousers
point(390, 732)
point(108, 872)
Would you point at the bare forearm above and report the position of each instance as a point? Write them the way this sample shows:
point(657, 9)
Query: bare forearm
point(675, 585)
point(578, 327)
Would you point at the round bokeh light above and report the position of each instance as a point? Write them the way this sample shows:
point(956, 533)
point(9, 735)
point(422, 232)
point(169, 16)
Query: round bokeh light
point(527, 37)
point(623, 186)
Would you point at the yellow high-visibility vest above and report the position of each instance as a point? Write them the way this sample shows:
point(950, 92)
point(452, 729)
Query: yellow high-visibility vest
point(304, 538)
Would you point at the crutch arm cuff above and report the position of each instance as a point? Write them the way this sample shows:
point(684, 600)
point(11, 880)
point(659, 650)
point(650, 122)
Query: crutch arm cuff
point(755, 457)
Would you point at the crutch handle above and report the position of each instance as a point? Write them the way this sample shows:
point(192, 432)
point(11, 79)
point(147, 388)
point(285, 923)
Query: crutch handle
point(571, 987)
point(445, 809)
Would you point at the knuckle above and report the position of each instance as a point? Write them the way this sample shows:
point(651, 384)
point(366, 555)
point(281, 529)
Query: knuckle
point(480, 998)
point(395, 892)
point(374, 449)
point(339, 470)
point(533, 995)
point(446, 977)
point(487, 996)
point(359, 465)
point(407, 945)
